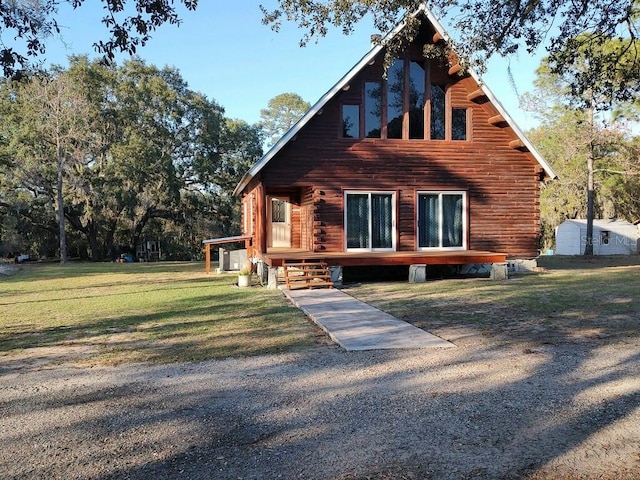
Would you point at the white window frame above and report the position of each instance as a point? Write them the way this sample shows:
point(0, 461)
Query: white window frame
point(393, 220)
point(465, 220)
point(251, 206)
point(245, 217)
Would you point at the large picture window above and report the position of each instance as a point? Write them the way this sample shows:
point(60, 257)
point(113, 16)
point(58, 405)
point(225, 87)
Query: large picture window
point(442, 220)
point(407, 104)
point(370, 220)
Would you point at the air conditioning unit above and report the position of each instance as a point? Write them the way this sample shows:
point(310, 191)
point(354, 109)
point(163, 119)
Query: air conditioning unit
point(231, 260)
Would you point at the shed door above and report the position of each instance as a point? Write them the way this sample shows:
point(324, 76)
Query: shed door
point(280, 222)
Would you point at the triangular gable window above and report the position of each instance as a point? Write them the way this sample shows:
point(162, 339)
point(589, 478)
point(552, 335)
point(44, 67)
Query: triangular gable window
point(404, 106)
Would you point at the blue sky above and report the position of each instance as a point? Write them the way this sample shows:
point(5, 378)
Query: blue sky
point(226, 53)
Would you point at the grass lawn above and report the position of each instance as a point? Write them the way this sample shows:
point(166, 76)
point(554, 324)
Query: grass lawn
point(575, 299)
point(109, 313)
point(166, 312)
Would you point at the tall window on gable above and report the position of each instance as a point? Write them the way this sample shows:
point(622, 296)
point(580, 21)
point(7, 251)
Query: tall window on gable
point(417, 76)
point(351, 121)
point(437, 112)
point(372, 109)
point(395, 99)
point(441, 220)
point(407, 105)
point(458, 124)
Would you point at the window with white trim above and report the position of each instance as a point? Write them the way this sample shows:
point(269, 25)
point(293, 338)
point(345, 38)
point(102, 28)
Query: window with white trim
point(369, 221)
point(251, 206)
point(245, 217)
point(442, 220)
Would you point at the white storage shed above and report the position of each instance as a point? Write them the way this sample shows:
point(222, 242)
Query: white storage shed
point(610, 237)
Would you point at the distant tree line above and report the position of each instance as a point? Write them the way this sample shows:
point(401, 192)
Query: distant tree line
point(95, 159)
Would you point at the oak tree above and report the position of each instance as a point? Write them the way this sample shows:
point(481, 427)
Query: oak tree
point(25, 26)
point(483, 28)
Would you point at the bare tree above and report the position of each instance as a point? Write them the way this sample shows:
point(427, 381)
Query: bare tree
point(54, 113)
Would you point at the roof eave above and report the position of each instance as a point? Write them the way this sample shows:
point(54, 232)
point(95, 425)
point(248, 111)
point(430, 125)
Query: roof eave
point(318, 106)
point(494, 101)
point(349, 76)
point(514, 126)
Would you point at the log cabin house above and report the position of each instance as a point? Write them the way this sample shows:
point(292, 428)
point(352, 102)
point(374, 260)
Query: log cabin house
point(421, 166)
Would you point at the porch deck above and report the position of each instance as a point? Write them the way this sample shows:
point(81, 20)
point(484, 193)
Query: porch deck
point(276, 256)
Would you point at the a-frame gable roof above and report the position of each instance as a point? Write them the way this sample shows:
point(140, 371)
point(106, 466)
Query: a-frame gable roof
point(348, 78)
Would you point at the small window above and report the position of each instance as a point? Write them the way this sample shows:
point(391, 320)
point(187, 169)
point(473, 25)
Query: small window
point(250, 230)
point(604, 237)
point(278, 211)
point(351, 121)
point(373, 109)
point(459, 124)
point(245, 217)
point(437, 112)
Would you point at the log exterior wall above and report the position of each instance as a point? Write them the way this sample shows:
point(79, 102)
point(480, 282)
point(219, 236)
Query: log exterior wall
point(306, 219)
point(502, 183)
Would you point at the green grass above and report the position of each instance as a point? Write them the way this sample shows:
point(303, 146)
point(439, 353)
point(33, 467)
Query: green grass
point(574, 300)
point(154, 312)
point(173, 312)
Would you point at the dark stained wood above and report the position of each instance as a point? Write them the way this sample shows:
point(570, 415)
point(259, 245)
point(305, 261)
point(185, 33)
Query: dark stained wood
point(476, 95)
point(498, 120)
point(306, 219)
point(517, 143)
point(279, 257)
point(454, 69)
point(501, 181)
point(306, 274)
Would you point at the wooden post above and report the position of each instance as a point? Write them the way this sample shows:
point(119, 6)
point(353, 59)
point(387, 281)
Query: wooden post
point(207, 256)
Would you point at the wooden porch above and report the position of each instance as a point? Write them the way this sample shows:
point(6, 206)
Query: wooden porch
point(275, 257)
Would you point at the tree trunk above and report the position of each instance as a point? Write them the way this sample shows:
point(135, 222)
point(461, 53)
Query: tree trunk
point(108, 249)
point(60, 208)
point(92, 236)
point(137, 231)
point(588, 249)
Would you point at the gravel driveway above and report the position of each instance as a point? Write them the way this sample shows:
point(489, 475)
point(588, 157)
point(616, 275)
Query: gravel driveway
point(482, 410)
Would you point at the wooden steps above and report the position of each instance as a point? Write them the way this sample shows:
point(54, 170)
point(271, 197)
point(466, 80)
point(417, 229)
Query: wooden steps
point(306, 274)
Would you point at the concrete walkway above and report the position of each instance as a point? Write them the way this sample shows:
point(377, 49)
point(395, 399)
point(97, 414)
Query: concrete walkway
point(354, 325)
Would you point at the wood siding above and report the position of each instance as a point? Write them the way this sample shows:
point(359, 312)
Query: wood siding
point(254, 199)
point(306, 219)
point(502, 183)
